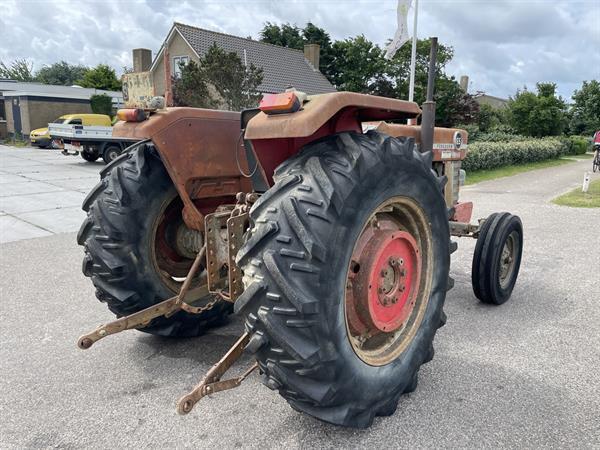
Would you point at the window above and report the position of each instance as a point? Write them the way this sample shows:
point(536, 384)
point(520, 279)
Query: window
point(179, 61)
point(75, 122)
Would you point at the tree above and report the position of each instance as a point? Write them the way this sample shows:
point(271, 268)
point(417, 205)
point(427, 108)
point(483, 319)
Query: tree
point(453, 105)
point(291, 36)
point(101, 104)
point(359, 65)
point(191, 88)
point(61, 73)
point(490, 118)
point(219, 80)
point(541, 114)
point(585, 112)
point(236, 83)
point(19, 70)
point(285, 35)
point(101, 77)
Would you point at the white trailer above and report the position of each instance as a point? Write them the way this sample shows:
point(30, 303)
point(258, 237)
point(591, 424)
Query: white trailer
point(91, 142)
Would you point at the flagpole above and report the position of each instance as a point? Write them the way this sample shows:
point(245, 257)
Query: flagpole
point(413, 57)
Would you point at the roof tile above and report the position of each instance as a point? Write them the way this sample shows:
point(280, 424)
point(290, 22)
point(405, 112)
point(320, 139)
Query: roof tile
point(282, 67)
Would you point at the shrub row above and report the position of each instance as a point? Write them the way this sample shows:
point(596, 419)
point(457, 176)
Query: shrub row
point(485, 155)
point(579, 145)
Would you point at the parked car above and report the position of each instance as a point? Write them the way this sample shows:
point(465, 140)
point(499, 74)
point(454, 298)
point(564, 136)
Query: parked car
point(40, 137)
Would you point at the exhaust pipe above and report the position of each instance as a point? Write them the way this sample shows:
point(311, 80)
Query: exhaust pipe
point(428, 108)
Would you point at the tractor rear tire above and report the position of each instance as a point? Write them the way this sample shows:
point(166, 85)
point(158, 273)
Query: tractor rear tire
point(119, 236)
point(497, 258)
point(298, 260)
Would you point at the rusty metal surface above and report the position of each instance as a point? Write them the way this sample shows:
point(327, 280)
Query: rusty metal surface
point(217, 255)
point(140, 318)
point(444, 148)
point(320, 108)
point(197, 147)
point(212, 383)
point(224, 236)
point(236, 226)
point(461, 229)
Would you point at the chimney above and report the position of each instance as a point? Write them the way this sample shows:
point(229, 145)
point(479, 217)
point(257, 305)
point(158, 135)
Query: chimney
point(312, 53)
point(142, 59)
point(464, 83)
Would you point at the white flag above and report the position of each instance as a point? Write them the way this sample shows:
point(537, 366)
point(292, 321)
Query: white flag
point(401, 35)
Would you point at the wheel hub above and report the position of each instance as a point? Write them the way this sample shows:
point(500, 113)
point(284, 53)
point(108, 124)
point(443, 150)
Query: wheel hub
point(385, 287)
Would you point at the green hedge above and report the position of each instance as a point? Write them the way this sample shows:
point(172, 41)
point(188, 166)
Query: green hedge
point(579, 145)
point(490, 155)
point(500, 136)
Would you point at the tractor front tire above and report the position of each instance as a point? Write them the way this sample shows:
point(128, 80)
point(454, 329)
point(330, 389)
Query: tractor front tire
point(129, 266)
point(497, 258)
point(339, 202)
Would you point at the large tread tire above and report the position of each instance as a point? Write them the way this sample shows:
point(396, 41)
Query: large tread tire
point(121, 211)
point(486, 258)
point(295, 265)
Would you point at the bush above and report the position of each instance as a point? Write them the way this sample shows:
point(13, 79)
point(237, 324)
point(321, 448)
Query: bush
point(500, 136)
point(579, 145)
point(101, 104)
point(471, 128)
point(487, 155)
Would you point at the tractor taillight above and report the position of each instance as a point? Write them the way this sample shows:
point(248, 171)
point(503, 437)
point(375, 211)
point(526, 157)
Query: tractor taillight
point(286, 102)
point(131, 115)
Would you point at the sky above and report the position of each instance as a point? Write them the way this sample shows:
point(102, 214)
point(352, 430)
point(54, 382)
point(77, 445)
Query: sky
point(502, 45)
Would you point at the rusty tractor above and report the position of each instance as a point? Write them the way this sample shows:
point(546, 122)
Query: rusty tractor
point(324, 220)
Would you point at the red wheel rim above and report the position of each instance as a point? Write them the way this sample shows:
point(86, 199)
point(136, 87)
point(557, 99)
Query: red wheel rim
point(394, 271)
point(388, 281)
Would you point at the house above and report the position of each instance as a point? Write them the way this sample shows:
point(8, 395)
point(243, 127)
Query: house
point(482, 98)
point(282, 67)
point(495, 102)
point(27, 106)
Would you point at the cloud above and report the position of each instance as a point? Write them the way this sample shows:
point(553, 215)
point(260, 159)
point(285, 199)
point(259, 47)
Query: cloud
point(501, 44)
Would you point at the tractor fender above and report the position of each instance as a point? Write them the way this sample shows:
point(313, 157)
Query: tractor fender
point(332, 107)
point(198, 149)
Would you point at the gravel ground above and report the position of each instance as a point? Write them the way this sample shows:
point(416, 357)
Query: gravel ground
point(521, 375)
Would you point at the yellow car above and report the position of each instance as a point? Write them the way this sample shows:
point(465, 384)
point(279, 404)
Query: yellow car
point(41, 138)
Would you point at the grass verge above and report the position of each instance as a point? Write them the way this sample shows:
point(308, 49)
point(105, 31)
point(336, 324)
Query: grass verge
point(484, 175)
point(578, 199)
point(584, 156)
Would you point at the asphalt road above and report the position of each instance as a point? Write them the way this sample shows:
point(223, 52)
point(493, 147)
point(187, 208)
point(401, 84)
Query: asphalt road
point(524, 375)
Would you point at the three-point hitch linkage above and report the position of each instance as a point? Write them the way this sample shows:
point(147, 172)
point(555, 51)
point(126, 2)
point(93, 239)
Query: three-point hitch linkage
point(234, 218)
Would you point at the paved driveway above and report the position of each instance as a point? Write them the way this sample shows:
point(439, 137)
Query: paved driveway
point(41, 192)
point(523, 375)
